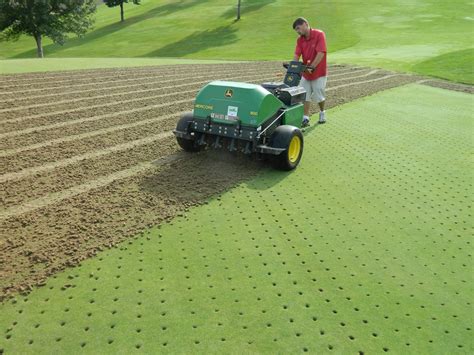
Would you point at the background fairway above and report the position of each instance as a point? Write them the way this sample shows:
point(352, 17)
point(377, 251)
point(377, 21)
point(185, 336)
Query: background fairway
point(422, 36)
point(364, 248)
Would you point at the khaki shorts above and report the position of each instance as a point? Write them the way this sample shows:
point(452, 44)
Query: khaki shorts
point(315, 89)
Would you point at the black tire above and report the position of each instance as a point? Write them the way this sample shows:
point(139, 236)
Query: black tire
point(291, 139)
point(189, 145)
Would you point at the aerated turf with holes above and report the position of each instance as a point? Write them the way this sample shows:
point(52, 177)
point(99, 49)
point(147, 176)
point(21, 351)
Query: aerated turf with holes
point(364, 248)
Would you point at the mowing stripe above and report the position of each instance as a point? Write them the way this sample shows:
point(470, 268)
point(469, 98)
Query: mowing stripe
point(78, 158)
point(71, 138)
point(131, 92)
point(71, 122)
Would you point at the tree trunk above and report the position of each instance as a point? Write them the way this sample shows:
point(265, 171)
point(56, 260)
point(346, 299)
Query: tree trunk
point(39, 45)
point(238, 10)
point(121, 12)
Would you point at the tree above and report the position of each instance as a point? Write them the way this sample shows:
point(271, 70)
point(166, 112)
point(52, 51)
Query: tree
point(238, 10)
point(113, 3)
point(45, 18)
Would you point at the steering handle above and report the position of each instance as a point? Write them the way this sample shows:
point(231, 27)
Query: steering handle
point(303, 67)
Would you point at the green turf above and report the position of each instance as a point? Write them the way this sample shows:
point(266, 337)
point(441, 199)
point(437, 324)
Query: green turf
point(455, 66)
point(191, 29)
point(365, 247)
point(394, 34)
point(11, 66)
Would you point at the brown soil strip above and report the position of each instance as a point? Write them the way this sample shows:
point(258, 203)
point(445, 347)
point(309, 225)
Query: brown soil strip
point(129, 90)
point(73, 191)
point(449, 85)
point(36, 85)
point(149, 70)
point(67, 175)
point(12, 80)
point(8, 96)
point(84, 136)
point(38, 120)
point(115, 87)
point(99, 118)
point(105, 101)
point(76, 159)
point(182, 83)
point(17, 99)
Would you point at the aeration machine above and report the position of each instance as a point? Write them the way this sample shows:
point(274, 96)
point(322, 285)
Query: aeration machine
point(252, 119)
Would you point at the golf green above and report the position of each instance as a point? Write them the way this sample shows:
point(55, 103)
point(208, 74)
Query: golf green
point(365, 248)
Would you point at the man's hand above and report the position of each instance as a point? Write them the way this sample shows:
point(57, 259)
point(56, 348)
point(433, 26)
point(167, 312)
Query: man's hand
point(317, 60)
point(309, 70)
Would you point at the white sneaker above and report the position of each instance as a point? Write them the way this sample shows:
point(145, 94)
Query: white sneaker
point(305, 122)
point(322, 117)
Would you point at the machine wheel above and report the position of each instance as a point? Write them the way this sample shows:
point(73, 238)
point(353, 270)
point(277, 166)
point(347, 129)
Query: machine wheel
point(291, 139)
point(189, 145)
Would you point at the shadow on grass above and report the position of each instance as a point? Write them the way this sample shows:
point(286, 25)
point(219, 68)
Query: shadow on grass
point(193, 178)
point(198, 41)
point(162, 10)
point(190, 179)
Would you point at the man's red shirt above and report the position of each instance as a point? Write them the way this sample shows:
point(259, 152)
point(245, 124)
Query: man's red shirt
point(308, 48)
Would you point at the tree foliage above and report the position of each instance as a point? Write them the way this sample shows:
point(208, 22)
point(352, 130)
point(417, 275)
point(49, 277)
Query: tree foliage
point(113, 3)
point(45, 18)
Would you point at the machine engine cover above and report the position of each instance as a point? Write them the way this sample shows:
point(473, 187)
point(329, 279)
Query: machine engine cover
point(273, 86)
point(292, 96)
point(235, 103)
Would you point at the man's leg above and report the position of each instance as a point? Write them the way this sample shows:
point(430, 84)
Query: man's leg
point(321, 105)
point(320, 91)
point(307, 104)
point(307, 108)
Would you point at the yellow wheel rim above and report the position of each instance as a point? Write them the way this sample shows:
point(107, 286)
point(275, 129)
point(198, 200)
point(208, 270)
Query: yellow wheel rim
point(294, 149)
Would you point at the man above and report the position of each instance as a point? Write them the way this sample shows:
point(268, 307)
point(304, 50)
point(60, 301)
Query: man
point(311, 45)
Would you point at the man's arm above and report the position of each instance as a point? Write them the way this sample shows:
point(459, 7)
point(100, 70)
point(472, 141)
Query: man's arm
point(320, 49)
point(318, 59)
point(298, 51)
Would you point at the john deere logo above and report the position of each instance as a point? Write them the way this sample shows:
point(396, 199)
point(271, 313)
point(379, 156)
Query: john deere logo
point(229, 93)
point(290, 78)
